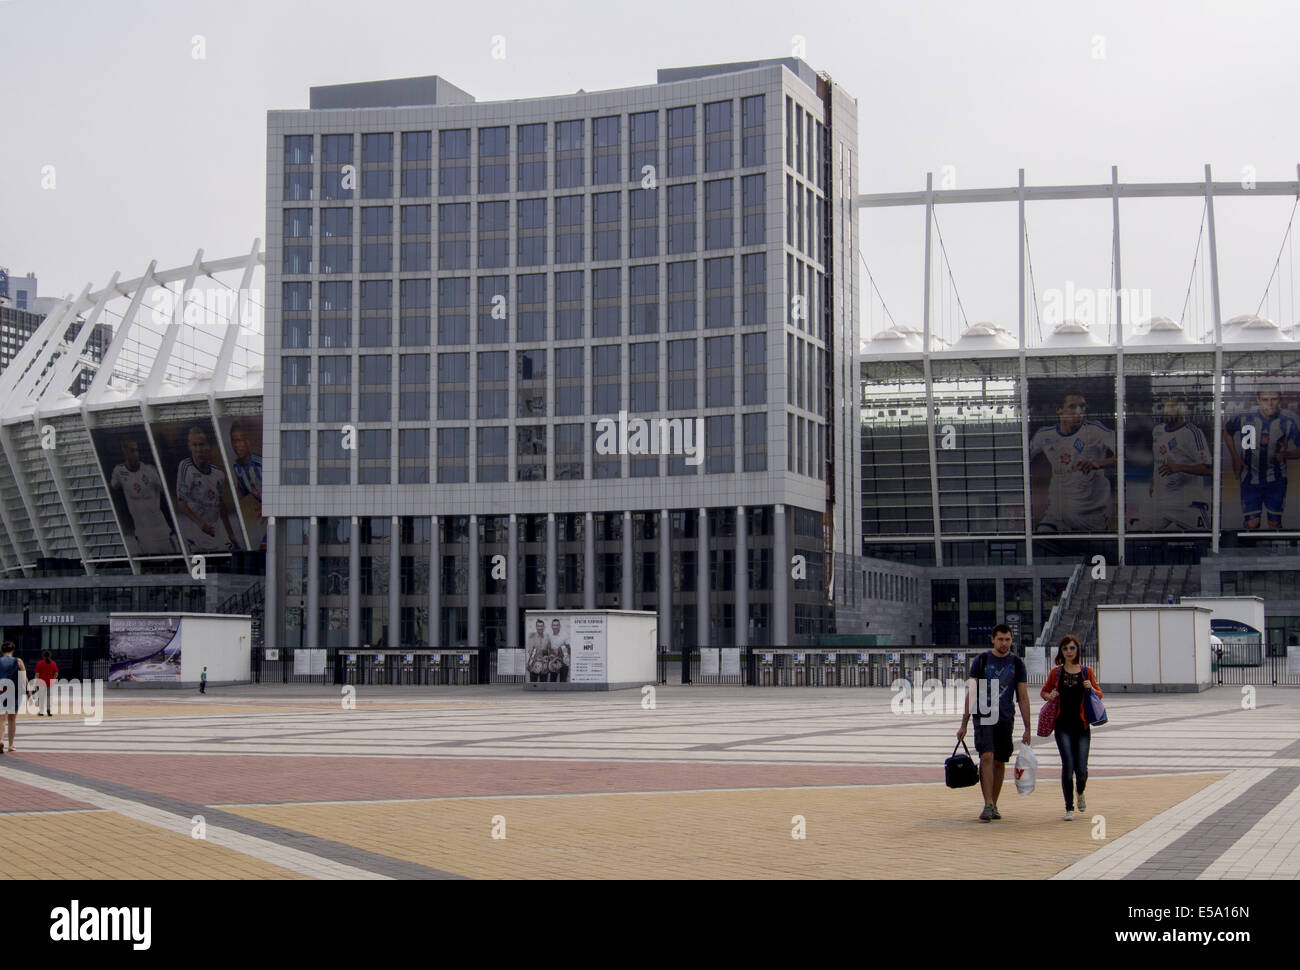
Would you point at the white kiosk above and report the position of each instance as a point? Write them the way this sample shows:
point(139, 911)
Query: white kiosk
point(171, 649)
point(1150, 649)
point(589, 649)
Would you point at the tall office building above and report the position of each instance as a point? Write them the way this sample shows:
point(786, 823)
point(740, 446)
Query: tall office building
point(472, 305)
point(21, 313)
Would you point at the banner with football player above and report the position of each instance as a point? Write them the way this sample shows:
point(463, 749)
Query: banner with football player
point(199, 484)
point(1072, 454)
point(137, 489)
point(243, 440)
point(1260, 447)
point(1168, 453)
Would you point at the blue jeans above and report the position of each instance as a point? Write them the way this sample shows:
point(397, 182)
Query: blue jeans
point(1074, 762)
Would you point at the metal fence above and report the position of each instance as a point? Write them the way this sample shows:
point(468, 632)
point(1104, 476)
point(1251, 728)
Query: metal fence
point(785, 666)
point(1248, 662)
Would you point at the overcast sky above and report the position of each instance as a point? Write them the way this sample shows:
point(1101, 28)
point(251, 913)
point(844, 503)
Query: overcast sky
point(156, 153)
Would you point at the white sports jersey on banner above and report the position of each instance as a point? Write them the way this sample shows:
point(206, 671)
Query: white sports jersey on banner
point(142, 489)
point(1078, 499)
point(1185, 445)
point(201, 491)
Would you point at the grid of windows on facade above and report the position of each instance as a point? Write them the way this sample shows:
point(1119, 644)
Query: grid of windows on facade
point(895, 480)
point(877, 585)
point(694, 147)
point(426, 561)
point(123, 599)
point(982, 613)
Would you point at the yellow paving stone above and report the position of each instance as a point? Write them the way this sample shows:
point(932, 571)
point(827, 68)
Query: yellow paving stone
point(106, 845)
point(900, 832)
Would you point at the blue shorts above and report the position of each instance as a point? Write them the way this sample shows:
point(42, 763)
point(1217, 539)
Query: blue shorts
point(1269, 497)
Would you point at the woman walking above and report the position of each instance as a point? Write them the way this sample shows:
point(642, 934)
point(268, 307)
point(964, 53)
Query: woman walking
point(12, 687)
point(1066, 683)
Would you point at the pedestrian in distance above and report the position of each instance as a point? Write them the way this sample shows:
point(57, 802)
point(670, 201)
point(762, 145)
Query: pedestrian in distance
point(47, 672)
point(1067, 682)
point(203, 681)
point(12, 673)
point(998, 682)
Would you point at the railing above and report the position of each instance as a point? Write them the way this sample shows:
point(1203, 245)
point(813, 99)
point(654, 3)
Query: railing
point(783, 666)
point(1049, 628)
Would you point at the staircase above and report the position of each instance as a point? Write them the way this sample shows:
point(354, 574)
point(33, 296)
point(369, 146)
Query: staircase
point(1123, 585)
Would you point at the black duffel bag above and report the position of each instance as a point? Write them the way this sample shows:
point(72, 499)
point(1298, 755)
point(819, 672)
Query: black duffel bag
point(960, 771)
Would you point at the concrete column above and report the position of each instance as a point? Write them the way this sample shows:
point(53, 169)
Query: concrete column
point(963, 607)
point(702, 580)
point(395, 586)
point(512, 584)
point(1000, 601)
point(665, 579)
point(271, 618)
point(312, 619)
point(627, 600)
point(474, 569)
point(780, 581)
point(742, 578)
point(589, 563)
point(552, 563)
point(435, 585)
point(354, 587)
point(1038, 606)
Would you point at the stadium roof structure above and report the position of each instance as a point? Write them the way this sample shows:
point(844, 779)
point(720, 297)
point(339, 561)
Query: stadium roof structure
point(931, 337)
point(187, 342)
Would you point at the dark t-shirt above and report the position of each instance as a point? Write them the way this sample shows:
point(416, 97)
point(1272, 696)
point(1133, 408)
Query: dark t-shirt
point(1004, 674)
point(1071, 701)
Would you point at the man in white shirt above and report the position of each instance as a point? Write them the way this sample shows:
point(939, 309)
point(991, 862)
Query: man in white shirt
point(537, 656)
point(201, 499)
point(560, 648)
point(1078, 451)
point(140, 486)
point(1180, 487)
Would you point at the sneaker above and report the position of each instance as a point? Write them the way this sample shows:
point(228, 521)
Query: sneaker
point(987, 814)
point(996, 814)
point(1069, 815)
point(1083, 803)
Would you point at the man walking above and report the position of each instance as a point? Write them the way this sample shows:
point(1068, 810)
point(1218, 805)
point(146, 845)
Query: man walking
point(997, 680)
point(47, 672)
point(203, 681)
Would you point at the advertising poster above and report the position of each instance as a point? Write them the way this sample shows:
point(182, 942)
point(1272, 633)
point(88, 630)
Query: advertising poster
point(190, 462)
point(510, 662)
point(136, 487)
point(242, 438)
point(590, 644)
point(1260, 446)
point(548, 654)
point(1168, 453)
point(145, 649)
point(309, 663)
point(1072, 454)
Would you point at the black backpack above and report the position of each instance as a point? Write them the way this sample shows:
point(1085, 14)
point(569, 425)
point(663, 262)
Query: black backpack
point(960, 771)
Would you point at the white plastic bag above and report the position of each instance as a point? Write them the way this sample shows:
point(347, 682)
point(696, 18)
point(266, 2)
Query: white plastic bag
point(1026, 769)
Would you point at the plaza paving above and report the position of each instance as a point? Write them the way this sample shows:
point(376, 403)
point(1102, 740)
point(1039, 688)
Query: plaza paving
point(492, 782)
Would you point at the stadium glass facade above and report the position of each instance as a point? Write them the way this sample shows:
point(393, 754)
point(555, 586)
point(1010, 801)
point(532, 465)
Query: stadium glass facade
point(989, 476)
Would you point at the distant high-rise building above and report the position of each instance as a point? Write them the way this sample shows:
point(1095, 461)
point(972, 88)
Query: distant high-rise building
point(21, 312)
point(17, 291)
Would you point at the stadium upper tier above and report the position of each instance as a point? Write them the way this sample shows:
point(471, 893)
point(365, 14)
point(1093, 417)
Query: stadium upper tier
point(94, 477)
